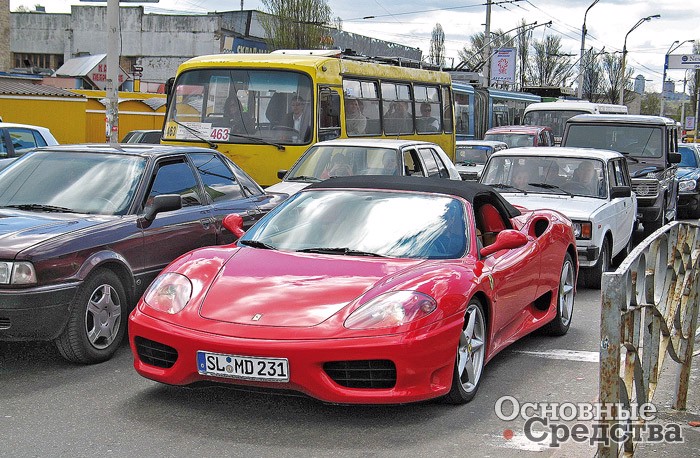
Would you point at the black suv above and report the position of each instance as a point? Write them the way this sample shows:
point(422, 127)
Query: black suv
point(650, 144)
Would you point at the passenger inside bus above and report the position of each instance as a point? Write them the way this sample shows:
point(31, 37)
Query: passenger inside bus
point(300, 118)
point(240, 122)
point(355, 121)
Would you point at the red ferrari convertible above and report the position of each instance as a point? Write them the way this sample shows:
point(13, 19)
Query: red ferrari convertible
point(361, 290)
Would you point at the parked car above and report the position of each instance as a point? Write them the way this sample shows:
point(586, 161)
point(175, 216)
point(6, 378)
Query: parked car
point(471, 156)
point(650, 144)
point(85, 228)
point(591, 187)
point(521, 136)
point(17, 139)
point(143, 136)
point(688, 174)
point(362, 156)
point(350, 292)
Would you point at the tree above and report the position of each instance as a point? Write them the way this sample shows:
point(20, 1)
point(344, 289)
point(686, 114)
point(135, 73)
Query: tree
point(437, 46)
point(651, 103)
point(295, 24)
point(548, 66)
point(592, 76)
point(473, 54)
point(523, 40)
point(612, 67)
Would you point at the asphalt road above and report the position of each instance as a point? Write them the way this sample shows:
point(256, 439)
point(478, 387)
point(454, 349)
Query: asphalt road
point(51, 408)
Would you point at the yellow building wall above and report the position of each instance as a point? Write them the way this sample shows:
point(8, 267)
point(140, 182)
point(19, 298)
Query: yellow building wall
point(65, 117)
point(133, 114)
point(82, 120)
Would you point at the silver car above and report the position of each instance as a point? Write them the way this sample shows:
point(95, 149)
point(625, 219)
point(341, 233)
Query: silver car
point(471, 156)
point(360, 156)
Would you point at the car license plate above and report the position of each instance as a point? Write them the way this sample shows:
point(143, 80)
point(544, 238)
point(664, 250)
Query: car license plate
point(243, 367)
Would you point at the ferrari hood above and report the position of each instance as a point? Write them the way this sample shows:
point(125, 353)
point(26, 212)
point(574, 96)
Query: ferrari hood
point(20, 230)
point(273, 288)
point(579, 208)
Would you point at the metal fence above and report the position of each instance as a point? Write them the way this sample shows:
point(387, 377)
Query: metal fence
point(649, 310)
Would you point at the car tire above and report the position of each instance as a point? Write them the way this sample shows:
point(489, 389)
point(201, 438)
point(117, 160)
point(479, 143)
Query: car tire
point(652, 226)
point(565, 299)
point(593, 276)
point(97, 320)
point(470, 356)
point(617, 260)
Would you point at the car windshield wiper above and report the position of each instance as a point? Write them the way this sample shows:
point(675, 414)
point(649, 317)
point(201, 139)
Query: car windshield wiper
point(550, 186)
point(196, 134)
point(343, 251)
point(257, 244)
point(507, 186)
point(304, 178)
point(258, 139)
point(41, 207)
point(631, 158)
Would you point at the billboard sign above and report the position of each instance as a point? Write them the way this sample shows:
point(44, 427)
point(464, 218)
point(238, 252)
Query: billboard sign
point(684, 61)
point(503, 66)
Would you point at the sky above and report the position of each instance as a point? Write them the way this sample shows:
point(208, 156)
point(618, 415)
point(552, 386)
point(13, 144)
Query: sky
point(410, 22)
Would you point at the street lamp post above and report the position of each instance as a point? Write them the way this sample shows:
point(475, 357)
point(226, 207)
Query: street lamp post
point(583, 44)
point(663, 80)
point(624, 54)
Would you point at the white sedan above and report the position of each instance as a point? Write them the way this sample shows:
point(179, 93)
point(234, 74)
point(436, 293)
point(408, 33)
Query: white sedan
point(591, 187)
point(17, 139)
point(361, 156)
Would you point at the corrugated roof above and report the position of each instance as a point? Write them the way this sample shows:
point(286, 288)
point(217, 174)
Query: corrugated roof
point(80, 66)
point(14, 87)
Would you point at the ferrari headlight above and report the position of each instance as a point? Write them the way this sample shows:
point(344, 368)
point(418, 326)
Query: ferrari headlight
point(17, 273)
point(391, 309)
point(687, 185)
point(582, 230)
point(169, 293)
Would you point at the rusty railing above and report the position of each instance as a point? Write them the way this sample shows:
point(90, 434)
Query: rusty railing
point(649, 310)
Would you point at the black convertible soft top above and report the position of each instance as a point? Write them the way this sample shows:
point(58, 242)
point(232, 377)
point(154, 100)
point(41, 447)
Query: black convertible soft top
point(468, 190)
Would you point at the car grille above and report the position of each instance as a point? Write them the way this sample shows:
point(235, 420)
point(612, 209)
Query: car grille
point(5, 323)
point(154, 353)
point(645, 188)
point(373, 373)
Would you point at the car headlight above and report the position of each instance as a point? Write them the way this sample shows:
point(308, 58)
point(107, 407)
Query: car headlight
point(17, 273)
point(169, 293)
point(582, 230)
point(687, 185)
point(391, 309)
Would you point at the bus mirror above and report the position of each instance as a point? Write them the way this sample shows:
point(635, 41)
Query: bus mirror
point(169, 83)
point(334, 105)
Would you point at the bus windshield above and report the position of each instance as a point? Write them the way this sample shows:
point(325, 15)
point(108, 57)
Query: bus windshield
point(241, 106)
point(556, 119)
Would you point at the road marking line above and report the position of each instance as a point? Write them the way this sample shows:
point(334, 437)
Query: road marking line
point(568, 355)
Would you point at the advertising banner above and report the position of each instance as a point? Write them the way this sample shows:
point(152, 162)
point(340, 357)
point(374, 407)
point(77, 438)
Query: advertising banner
point(684, 61)
point(503, 66)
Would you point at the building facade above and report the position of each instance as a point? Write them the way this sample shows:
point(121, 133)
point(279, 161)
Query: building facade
point(155, 42)
point(5, 32)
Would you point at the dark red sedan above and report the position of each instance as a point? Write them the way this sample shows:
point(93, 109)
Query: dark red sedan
point(84, 229)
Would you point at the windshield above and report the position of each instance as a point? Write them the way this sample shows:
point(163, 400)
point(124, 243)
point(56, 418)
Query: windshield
point(688, 158)
point(321, 162)
point(642, 141)
point(556, 119)
point(472, 154)
point(72, 182)
point(241, 106)
point(514, 140)
point(381, 223)
point(547, 175)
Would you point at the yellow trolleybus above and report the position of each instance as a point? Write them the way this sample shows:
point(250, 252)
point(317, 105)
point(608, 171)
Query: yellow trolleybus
point(265, 110)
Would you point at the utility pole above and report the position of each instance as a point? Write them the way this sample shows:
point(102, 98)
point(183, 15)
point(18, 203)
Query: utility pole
point(584, 31)
point(487, 37)
point(112, 111)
